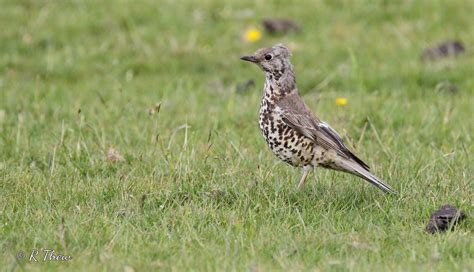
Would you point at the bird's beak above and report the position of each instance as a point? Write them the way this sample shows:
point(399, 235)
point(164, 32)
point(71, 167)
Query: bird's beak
point(249, 58)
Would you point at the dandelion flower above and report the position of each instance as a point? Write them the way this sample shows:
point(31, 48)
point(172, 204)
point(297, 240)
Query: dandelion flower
point(252, 35)
point(341, 101)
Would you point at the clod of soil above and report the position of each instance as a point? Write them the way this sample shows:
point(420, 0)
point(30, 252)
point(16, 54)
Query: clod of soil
point(444, 218)
point(274, 25)
point(443, 50)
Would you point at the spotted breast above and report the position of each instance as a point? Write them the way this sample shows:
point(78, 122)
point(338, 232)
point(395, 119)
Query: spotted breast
point(286, 143)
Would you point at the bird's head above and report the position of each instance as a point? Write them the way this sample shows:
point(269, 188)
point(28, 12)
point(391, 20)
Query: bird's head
point(272, 59)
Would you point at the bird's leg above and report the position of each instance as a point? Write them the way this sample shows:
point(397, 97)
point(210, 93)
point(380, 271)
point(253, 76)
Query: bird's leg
point(306, 170)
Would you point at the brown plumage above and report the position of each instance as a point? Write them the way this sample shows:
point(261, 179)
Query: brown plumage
point(291, 130)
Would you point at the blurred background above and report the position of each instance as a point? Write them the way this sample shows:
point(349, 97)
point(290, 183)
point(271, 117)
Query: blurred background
point(78, 54)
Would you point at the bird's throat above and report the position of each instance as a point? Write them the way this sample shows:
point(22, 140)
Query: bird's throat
point(279, 83)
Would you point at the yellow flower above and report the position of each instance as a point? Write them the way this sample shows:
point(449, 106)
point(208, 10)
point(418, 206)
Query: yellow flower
point(341, 101)
point(252, 35)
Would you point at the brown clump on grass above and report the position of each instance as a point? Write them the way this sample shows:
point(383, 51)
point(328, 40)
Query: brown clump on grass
point(445, 218)
point(276, 25)
point(114, 156)
point(443, 50)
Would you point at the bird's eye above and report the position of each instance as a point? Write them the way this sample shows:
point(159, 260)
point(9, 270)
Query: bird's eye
point(268, 57)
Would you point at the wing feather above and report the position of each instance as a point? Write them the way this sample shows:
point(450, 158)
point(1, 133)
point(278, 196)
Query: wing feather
point(297, 115)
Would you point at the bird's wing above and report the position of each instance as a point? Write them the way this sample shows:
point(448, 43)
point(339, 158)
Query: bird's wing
point(298, 116)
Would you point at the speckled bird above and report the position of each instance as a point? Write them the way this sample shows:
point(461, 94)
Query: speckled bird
point(293, 133)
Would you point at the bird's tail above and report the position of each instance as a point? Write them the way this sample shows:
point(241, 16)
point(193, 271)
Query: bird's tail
point(355, 168)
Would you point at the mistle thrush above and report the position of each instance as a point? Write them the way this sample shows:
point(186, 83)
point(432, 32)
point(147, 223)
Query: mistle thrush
point(291, 130)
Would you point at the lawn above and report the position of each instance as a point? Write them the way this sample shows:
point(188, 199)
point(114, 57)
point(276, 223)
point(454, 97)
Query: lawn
point(125, 145)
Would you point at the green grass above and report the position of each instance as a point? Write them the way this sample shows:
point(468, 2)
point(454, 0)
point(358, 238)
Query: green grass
point(198, 189)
